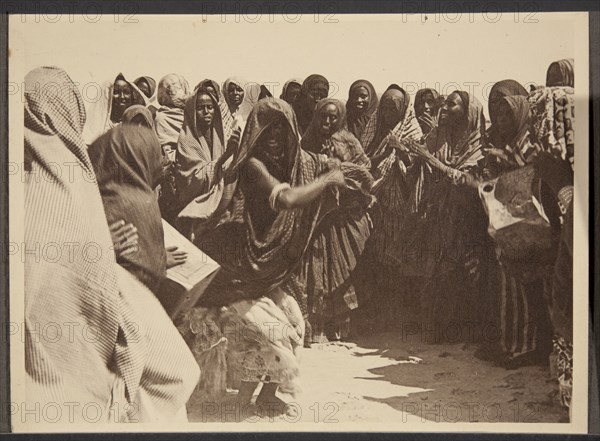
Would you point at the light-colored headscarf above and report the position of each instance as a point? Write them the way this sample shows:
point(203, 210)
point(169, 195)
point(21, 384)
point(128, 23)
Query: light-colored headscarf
point(169, 117)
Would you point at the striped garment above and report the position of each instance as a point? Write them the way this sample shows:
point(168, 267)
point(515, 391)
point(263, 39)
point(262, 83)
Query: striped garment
point(90, 325)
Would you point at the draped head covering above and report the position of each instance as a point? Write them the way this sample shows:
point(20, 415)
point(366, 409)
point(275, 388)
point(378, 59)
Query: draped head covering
point(461, 149)
point(357, 121)
point(148, 80)
point(169, 98)
point(265, 259)
point(264, 92)
point(196, 154)
point(251, 94)
point(287, 84)
point(77, 286)
point(128, 165)
point(500, 90)
point(341, 144)
point(206, 83)
point(137, 114)
point(407, 128)
point(99, 111)
point(304, 107)
point(420, 98)
point(561, 73)
point(522, 144)
point(169, 117)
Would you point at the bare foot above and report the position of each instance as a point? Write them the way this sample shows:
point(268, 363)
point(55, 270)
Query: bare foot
point(269, 405)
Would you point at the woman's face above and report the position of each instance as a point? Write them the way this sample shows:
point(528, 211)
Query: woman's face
point(505, 121)
point(274, 137)
point(361, 99)
point(328, 120)
point(292, 93)
point(453, 109)
point(205, 110)
point(235, 94)
point(122, 97)
point(317, 92)
point(390, 113)
point(145, 88)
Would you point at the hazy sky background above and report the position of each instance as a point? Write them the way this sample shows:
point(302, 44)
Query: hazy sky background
point(383, 49)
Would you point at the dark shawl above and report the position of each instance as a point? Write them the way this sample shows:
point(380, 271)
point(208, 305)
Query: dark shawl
point(151, 83)
point(500, 90)
point(127, 161)
point(304, 107)
point(566, 68)
point(137, 112)
point(253, 262)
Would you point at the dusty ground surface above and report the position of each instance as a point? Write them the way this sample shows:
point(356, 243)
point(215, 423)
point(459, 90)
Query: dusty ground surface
point(373, 380)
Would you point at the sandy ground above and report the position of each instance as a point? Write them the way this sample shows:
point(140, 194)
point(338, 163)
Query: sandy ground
point(374, 380)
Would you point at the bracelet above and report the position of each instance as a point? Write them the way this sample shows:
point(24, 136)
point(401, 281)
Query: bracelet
point(275, 194)
point(565, 196)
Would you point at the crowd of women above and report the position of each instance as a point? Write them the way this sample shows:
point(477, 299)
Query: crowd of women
point(329, 220)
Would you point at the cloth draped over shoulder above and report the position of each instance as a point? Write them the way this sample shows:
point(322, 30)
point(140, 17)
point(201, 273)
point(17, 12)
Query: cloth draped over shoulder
point(196, 152)
point(128, 165)
point(226, 117)
point(342, 237)
point(498, 91)
point(455, 217)
point(86, 287)
point(169, 116)
point(251, 94)
point(98, 119)
point(357, 121)
point(398, 186)
point(263, 259)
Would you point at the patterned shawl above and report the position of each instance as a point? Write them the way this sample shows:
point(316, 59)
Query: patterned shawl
point(195, 157)
point(226, 116)
point(258, 262)
point(77, 284)
point(553, 113)
point(357, 121)
point(341, 144)
point(461, 150)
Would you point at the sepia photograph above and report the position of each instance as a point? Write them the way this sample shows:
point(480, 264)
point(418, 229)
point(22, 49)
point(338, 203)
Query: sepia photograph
point(251, 219)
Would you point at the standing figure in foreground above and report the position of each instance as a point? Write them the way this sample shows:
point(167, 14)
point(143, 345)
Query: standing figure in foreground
point(454, 245)
point(274, 199)
point(329, 312)
point(398, 181)
point(138, 363)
